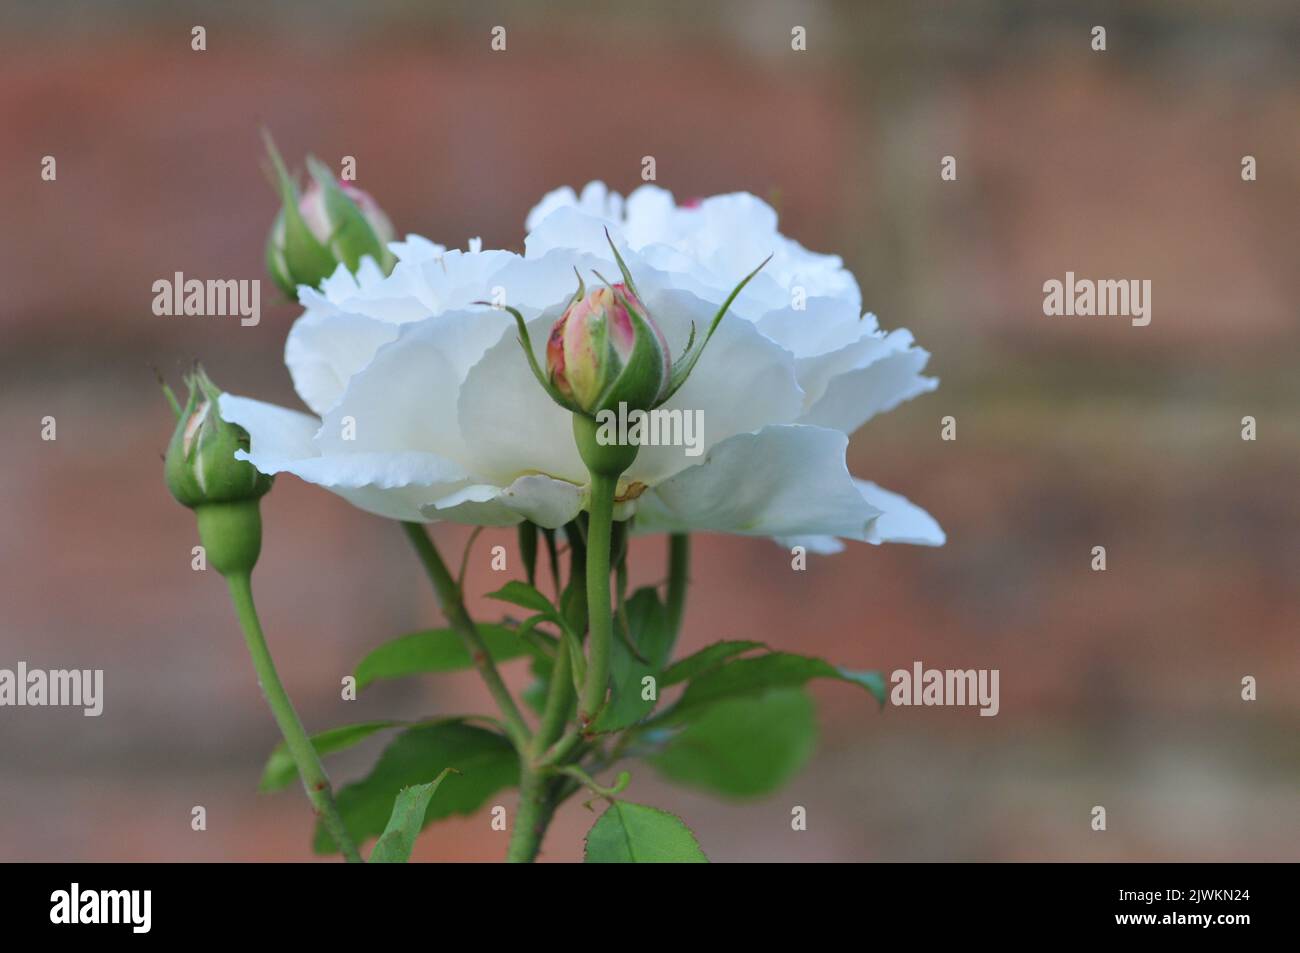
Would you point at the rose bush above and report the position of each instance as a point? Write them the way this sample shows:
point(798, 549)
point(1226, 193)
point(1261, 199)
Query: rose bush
point(470, 386)
point(424, 409)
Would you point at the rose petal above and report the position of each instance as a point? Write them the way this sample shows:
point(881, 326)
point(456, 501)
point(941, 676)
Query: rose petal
point(546, 502)
point(394, 485)
point(781, 481)
point(853, 398)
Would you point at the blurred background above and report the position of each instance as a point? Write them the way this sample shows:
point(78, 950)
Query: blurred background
point(1119, 688)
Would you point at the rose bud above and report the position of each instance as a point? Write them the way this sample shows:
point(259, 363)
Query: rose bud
point(202, 473)
point(606, 350)
point(328, 223)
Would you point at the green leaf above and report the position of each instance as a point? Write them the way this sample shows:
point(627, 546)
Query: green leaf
point(280, 769)
point(436, 650)
point(752, 676)
point(522, 594)
point(635, 834)
point(743, 747)
point(705, 659)
point(485, 760)
point(395, 844)
point(541, 644)
point(649, 632)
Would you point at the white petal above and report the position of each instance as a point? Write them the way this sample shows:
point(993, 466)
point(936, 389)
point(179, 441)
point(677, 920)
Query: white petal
point(781, 481)
point(650, 216)
point(817, 545)
point(416, 248)
point(853, 398)
point(742, 382)
point(549, 503)
point(596, 200)
point(278, 437)
point(405, 399)
point(456, 279)
point(342, 285)
point(509, 425)
point(323, 351)
point(395, 485)
point(563, 197)
point(572, 229)
point(900, 521)
point(534, 285)
point(817, 373)
point(822, 326)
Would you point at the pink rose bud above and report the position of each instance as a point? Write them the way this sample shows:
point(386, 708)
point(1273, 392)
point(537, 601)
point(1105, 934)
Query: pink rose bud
point(606, 350)
point(328, 223)
point(312, 205)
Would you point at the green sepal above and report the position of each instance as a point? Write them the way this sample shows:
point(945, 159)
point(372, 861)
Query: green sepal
point(622, 266)
point(640, 381)
point(200, 466)
point(526, 342)
point(352, 237)
point(686, 363)
point(302, 259)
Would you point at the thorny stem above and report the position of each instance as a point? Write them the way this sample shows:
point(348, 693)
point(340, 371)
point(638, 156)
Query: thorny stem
point(539, 794)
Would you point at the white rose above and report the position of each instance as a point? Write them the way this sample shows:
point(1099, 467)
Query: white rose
point(426, 409)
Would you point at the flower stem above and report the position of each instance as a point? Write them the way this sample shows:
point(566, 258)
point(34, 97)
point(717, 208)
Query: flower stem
point(531, 819)
point(559, 698)
point(679, 569)
point(599, 615)
point(453, 607)
point(300, 747)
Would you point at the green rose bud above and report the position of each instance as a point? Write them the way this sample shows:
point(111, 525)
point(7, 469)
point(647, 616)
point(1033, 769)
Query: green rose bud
point(328, 223)
point(202, 473)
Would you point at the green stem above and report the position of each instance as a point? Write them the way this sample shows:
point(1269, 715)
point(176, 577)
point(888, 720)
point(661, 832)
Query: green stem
point(310, 769)
point(558, 699)
point(599, 615)
point(531, 819)
point(535, 811)
point(679, 568)
point(453, 607)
